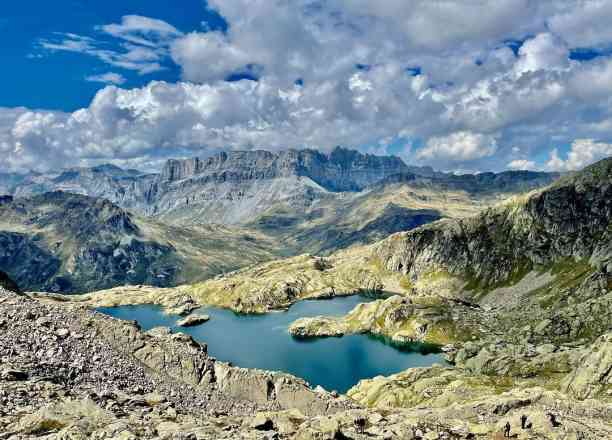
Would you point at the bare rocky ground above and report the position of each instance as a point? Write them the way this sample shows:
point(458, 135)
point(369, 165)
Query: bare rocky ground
point(75, 373)
point(70, 373)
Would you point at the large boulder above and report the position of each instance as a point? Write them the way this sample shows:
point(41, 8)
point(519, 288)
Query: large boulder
point(593, 375)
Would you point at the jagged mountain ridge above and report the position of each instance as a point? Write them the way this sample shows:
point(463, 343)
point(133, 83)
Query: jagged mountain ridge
point(341, 170)
point(279, 209)
point(195, 180)
point(237, 186)
point(505, 182)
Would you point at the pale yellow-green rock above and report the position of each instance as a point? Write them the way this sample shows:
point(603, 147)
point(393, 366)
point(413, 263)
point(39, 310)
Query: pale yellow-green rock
point(593, 374)
point(192, 320)
point(63, 415)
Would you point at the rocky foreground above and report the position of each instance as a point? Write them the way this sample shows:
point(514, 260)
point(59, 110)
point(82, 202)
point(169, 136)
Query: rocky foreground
point(75, 373)
point(70, 373)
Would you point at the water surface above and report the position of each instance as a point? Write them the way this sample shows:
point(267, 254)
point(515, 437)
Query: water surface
point(263, 341)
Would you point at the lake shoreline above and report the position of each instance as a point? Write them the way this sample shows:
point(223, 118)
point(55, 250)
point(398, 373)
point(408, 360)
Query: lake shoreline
point(262, 341)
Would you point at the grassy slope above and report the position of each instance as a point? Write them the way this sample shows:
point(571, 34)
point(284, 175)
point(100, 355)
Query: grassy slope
point(342, 220)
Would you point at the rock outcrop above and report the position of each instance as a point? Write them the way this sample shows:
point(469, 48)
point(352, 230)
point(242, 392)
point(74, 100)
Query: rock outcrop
point(68, 372)
point(278, 284)
point(593, 375)
point(569, 220)
point(192, 320)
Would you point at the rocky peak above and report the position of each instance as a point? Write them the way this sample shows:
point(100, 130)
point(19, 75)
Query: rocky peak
point(178, 169)
point(340, 170)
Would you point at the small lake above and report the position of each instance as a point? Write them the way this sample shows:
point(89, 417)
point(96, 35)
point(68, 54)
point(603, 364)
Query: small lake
point(263, 341)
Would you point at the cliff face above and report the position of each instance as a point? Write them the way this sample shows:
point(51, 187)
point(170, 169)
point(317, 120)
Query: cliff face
point(228, 187)
point(571, 219)
point(236, 187)
point(341, 170)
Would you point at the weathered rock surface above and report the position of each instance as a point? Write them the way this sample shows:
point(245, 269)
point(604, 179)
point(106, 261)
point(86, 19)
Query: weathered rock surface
point(398, 318)
point(569, 220)
point(278, 284)
point(104, 378)
point(192, 320)
point(593, 376)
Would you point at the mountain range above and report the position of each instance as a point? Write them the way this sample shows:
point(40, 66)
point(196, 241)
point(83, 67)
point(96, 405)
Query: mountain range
point(84, 229)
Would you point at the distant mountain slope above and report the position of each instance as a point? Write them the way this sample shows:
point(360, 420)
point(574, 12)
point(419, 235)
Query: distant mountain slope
point(126, 188)
point(538, 259)
point(9, 181)
point(229, 180)
point(304, 200)
point(238, 186)
point(67, 242)
point(506, 182)
point(398, 203)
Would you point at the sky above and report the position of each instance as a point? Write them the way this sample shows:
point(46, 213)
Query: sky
point(463, 86)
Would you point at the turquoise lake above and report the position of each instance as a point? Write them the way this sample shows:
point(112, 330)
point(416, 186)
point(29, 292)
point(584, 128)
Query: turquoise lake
point(263, 341)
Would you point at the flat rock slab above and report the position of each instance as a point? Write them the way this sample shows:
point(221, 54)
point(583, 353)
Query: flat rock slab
point(192, 320)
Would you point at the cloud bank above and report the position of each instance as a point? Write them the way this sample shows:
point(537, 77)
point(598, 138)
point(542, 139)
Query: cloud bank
point(458, 85)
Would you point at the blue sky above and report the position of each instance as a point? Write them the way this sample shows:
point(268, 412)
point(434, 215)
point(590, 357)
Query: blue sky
point(41, 80)
point(461, 86)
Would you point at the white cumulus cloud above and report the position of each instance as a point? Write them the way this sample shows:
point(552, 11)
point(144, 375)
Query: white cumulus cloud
point(522, 164)
point(373, 75)
point(459, 146)
point(583, 152)
point(107, 78)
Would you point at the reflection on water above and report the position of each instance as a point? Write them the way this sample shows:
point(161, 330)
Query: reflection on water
point(262, 341)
